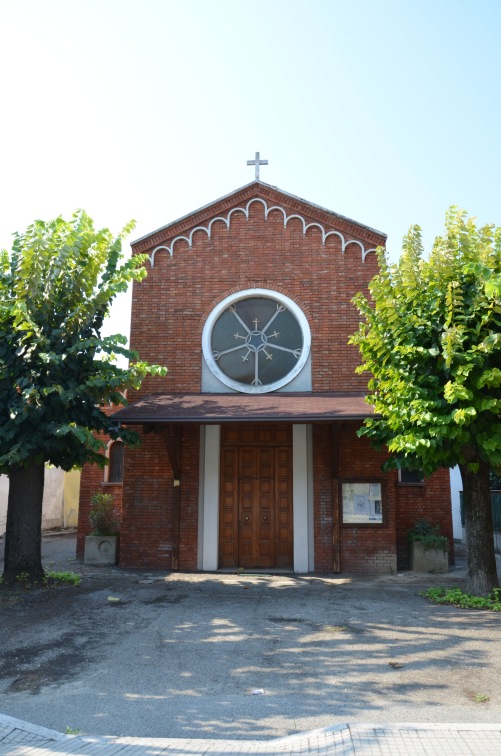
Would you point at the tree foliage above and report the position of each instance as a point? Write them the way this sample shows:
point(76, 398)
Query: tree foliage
point(432, 341)
point(56, 370)
point(431, 338)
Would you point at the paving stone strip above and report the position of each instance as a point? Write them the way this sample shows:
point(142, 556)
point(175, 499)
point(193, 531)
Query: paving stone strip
point(19, 738)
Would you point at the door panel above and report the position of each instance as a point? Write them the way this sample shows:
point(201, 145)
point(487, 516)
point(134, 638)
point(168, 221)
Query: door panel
point(256, 500)
point(284, 510)
point(228, 516)
point(256, 507)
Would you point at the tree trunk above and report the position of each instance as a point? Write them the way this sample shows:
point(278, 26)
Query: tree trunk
point(482, 574)
point(23, 538)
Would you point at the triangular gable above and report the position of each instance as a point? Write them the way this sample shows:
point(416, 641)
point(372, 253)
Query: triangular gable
point(272, 199)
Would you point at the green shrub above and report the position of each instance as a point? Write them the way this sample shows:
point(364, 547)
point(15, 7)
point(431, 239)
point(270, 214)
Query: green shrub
point(429, 535)
point(456, 597)
point(48, 580)
point(69, 578)
point(103, 517)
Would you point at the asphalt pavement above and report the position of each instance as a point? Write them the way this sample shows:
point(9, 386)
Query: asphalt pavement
point(151, 663)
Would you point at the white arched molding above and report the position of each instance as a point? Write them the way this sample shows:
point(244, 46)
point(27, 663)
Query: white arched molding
point(207, 229)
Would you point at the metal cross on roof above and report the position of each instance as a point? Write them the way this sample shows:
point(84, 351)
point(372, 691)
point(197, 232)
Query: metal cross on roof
point(257, 162)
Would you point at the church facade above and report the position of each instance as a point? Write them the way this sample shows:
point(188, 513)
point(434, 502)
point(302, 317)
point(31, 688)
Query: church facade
point(249, 454)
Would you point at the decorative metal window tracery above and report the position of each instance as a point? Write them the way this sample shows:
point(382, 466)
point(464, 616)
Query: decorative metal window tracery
point(256, 341)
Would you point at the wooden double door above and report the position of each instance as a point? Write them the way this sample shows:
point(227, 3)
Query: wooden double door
point(256, 497)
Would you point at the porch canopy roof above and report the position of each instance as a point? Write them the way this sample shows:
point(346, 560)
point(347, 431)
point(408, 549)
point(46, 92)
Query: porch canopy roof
point(207, 409)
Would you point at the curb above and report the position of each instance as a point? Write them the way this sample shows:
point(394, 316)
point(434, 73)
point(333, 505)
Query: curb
point(43, 732)
point(8, 722)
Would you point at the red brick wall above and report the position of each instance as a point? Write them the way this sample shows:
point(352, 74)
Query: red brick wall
point(367, 549)
point(188, 524)
point(371, 549)
point(171, 305)
point(430, 501)
point(322, 498)
point(147, 537)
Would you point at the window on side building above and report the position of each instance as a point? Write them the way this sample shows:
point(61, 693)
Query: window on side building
point(116, 462)
point(410, 477)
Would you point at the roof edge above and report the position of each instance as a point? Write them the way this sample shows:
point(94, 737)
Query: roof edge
point(248, 408)
point(202, 208)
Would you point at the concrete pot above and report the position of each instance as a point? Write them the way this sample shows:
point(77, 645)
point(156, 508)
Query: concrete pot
point(424, 559)
point(101, 551)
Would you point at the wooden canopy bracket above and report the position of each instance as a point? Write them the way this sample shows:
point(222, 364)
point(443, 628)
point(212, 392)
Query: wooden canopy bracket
point(172, 437)
point(335, 445)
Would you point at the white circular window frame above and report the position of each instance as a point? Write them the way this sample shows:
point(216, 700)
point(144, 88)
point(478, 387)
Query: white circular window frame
point(251, 294)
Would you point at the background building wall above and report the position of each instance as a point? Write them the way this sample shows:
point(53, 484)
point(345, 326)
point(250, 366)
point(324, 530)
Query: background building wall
point(60, 499)
point(456, 487)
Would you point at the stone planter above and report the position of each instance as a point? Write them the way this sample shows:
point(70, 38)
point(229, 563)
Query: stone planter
point(101, 551)
point(425, 559)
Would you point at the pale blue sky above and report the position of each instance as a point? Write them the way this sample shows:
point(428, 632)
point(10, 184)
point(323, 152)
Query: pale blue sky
point(387, 112)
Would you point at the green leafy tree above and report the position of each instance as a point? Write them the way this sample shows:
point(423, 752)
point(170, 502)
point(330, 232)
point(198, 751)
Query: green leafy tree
point(57, 372)
point(431, 337)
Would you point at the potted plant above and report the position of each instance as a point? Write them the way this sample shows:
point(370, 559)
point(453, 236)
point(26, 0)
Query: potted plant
point(101, 546)
point(429, 549)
